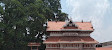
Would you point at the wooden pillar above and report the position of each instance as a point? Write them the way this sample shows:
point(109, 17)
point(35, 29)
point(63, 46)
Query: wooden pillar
point(82, 46)
point(37, 47)
point(31, 47)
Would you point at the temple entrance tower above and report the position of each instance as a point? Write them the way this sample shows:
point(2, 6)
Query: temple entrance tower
point(70, 36)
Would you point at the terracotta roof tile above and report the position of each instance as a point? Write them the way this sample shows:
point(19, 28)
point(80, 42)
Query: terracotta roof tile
point(34, 44)
point(52, 25)
point(70, 39)
point(87, 38)
point(104, 48)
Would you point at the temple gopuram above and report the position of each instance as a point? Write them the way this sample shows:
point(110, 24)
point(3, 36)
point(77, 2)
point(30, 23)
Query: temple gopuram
point(70, 35)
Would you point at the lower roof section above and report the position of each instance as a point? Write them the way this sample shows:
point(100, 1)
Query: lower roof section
point(104, 48)
point(68, 39)
point(34, 44)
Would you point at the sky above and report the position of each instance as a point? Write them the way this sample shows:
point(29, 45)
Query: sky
point(99, 12)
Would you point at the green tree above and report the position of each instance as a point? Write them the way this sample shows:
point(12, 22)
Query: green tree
point(21, 16)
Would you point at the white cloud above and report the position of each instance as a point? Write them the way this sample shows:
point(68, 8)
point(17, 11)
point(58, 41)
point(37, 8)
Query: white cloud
point(91, 10)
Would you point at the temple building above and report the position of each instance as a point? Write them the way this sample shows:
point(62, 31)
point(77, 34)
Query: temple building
point(34, 46)
point(106, 44)
point(70, 35)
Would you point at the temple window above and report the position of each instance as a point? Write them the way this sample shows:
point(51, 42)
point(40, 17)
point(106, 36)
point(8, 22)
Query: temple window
point(88, 45)
point(49, 45)
point(91, 45)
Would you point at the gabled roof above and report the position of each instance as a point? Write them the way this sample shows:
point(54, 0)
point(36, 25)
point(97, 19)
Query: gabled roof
point(58, 26)
point(70, 24)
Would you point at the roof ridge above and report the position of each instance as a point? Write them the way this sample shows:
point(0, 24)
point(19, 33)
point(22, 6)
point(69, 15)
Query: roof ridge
point(73, 22)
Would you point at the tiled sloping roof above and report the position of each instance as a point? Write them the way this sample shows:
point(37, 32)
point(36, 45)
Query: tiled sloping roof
point(52, 25)
point(104, 48)
point(70, 39)
point(34, 44)
point(87, 38)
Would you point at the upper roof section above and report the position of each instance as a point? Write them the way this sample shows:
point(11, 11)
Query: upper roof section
point(69, 26)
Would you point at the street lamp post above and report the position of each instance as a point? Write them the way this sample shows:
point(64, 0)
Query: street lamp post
point(14, 37)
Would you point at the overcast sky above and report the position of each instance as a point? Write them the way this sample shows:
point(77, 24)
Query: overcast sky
point(97, 11)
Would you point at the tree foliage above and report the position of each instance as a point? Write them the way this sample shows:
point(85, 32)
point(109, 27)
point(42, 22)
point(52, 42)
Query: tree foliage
point(23, 16)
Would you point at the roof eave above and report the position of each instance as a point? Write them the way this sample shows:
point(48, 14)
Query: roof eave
point(70, 30)
point(70, 42)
